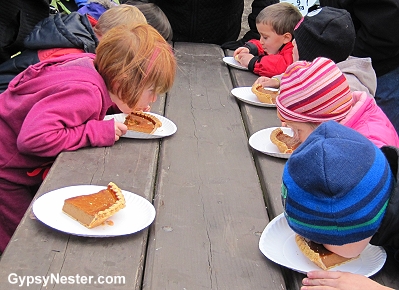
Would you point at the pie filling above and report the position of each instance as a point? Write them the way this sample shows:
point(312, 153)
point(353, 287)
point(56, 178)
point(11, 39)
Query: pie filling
point(264, 95)
point(142, 122)
point(94, 209)
point(284, 142)
point(319, 255)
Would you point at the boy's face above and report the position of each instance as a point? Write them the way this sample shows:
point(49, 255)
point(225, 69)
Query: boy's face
point(270, 40)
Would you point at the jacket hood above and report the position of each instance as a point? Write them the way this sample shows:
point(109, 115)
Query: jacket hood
point(65, 31)
point(360, 74)
point(30, 79)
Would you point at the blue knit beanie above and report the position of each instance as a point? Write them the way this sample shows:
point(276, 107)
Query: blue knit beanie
point(336, 186)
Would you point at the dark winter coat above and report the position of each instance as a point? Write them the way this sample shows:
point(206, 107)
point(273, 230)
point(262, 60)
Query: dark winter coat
point(17, 18)
point(388, 232)
point(376, 24)
point(209, 21)
point(56, 31)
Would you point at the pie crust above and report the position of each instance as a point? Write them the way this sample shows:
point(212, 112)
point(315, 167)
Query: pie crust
point(142, 122)
point(319, 255)
point(94, 209)
point(284, 142)
point(264, 95)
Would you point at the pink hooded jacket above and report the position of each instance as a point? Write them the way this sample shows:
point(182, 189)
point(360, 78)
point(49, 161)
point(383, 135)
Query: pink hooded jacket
point(367, 118)
point(53, 106)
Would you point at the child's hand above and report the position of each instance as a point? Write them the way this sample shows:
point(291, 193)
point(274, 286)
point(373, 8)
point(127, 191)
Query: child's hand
point(120, 129)
point(330, 280)
point(240, 50)
point(244, 58)
point(268, 82)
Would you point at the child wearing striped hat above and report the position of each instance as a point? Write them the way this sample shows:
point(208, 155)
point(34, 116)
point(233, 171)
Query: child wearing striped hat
point(340, 190)
point(315, 92)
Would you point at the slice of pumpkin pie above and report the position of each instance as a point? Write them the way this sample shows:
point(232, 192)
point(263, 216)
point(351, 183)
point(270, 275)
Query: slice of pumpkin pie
point(142, 122)
point(319, 255)
point(93, 209)
point(265, 95)
point(284, 142)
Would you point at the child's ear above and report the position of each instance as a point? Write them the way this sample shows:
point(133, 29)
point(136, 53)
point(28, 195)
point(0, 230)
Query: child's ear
point(287, 37)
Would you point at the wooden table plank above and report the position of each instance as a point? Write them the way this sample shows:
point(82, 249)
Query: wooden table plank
point(210, 209)
point(132, 165)
point(269, 168)
point(257, 118)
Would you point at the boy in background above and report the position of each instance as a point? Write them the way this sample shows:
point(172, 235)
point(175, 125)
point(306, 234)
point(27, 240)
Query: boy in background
point(271, 54)
point(329, 32)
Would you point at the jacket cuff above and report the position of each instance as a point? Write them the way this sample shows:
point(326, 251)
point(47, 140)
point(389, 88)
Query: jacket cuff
point(251, 64)
point(253, 49)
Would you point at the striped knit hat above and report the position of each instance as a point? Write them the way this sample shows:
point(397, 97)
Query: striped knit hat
point(314, 91)
point(336, 186)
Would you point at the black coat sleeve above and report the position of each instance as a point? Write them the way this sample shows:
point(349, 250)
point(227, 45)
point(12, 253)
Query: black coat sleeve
point(17, 19)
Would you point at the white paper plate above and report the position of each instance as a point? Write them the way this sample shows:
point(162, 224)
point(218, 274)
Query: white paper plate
point(277, 243)
point(261, 141)
point(246, 95)
point(168, 127)
point(138, 214)
point(232, 62)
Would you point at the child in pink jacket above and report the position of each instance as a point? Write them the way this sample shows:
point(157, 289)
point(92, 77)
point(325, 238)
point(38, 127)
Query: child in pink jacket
point(314, 92)
point(59, 105)
point(271, 55)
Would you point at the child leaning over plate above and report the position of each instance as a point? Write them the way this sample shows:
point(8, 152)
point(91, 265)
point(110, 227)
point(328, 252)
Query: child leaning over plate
point(59, 105)
point(315, 92)
point(340, 190)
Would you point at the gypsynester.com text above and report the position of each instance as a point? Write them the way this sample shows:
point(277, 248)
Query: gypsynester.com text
point(52, 279)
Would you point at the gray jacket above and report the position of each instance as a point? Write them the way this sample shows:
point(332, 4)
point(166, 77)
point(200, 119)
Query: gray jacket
point(360, 74)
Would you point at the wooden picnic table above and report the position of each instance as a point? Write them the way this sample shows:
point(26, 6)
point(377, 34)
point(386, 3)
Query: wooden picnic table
point(212, 192)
